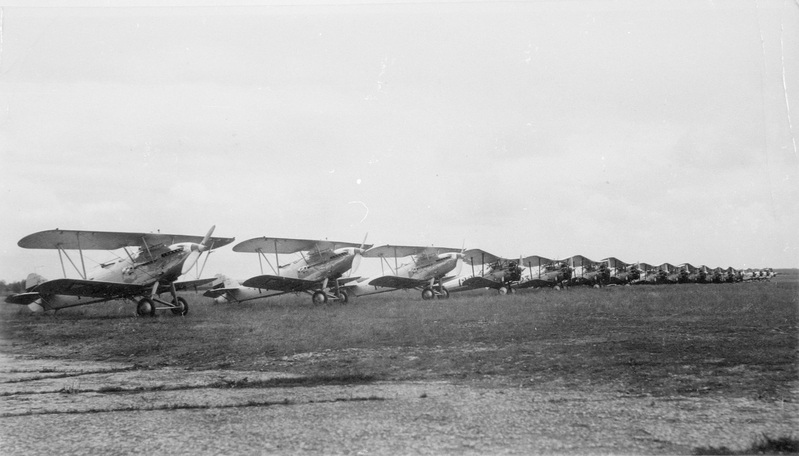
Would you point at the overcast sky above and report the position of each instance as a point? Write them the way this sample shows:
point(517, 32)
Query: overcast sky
point(655, 131)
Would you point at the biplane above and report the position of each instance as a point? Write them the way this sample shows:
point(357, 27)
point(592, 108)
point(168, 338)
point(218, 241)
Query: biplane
point(143, 274)
point(689, 273)
point(501, 275)
point(718, 275)
point(587, 272)
point(318, 272)
point(544, 272)
point(621, 273)
point(669, 273)
point(648, 274)
point(732, 275)
point(428, 269)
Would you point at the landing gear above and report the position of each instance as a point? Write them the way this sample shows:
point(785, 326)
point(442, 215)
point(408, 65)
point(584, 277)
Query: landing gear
point(343, 297)
point(503, 291)
point(145, 308)
point(181, 306)
point(435, 293)
point(319, 297)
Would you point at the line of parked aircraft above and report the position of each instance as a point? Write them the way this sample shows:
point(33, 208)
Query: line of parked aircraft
point(150, 264)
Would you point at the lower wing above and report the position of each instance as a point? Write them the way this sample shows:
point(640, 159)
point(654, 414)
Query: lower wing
point(481, 282)
point(285, 284)
point(397, 282)
point(91, 288)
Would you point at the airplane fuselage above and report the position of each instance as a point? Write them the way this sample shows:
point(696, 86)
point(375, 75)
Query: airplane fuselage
point(157, 265)
point(436, 269)
point(329, 265)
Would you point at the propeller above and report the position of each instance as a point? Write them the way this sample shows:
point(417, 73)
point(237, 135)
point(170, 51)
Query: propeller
point(458, 265)
point(196, 251)
point(357, 256)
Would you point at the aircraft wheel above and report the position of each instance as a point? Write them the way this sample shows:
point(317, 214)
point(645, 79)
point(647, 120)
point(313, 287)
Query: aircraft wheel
point(319, 297)
point(343, 297)
point(503, 291)
point(444, 293)
point(182, 307)
point(145, 308)
point(427, 294)
point(556, 287)
point(596, 285)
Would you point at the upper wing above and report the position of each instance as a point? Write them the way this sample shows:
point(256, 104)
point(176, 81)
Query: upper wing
point(535, 260)
point(107, 240)
point(91, 288)
point(277, 245)
point(405, 250)
point(578, 260)
point(479, 256)
point(286, 284)
point(615, 263)
point(397, 282)
point(481, 282)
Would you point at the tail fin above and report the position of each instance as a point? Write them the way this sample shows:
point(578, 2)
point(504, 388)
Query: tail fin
point(223, 281)
point(32, 280)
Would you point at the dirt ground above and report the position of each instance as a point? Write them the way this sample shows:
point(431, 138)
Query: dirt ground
point(83, 407)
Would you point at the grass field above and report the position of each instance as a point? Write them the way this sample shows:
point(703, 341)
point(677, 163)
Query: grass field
point(731, 340)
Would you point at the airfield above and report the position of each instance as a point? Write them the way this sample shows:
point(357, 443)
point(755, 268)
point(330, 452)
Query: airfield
point(670, 369)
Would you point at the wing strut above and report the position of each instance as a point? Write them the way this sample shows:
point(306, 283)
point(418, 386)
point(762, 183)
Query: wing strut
point(261, 254)
point(61, 259)
point(80, 251)
point(146, 247)
point(83, 276)
point(277, 259)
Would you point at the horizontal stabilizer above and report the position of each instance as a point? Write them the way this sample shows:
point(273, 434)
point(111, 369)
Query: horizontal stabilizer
point(217, 292)
point(23, 298)
point(185, 285)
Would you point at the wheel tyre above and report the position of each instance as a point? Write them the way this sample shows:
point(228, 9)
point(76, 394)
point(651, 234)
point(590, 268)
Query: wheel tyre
point(444, 293)
point(182, 307)
point(319, 297)
point(343, 297)
point(502, 291)
point(596, 285)
point(556, 287)
point(145, 308)
point(427, 294)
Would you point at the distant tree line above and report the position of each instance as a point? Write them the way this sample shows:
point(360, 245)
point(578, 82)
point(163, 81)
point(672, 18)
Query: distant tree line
point(13, 287)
